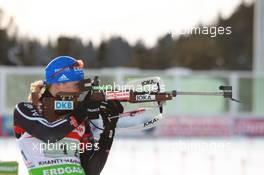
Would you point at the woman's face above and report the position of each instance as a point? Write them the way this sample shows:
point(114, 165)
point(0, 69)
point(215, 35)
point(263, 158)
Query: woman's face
point(70, 87)
point(67, 87)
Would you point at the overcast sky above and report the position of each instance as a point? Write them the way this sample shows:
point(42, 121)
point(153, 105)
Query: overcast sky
point(98, 19)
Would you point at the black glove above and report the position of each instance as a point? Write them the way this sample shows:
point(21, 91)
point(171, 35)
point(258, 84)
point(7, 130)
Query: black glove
point(87, 109)
point(109, 109)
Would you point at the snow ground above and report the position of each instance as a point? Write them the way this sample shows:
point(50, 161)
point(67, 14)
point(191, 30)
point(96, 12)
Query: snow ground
point(171, 156)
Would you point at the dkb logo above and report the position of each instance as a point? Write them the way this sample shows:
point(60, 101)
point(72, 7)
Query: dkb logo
point(63, 105)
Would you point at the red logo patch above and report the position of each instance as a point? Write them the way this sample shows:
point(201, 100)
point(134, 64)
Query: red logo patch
point(73, 122)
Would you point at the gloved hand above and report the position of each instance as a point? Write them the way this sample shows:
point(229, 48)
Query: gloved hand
point(109, 109)
point(87, 109)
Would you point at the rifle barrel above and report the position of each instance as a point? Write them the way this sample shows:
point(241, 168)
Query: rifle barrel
point(201, 93)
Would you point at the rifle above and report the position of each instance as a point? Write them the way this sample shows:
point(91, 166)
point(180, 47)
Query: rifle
point(68, 101)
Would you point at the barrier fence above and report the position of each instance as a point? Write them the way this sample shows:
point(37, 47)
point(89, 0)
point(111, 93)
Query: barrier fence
point(191, 115)
point(185, 126)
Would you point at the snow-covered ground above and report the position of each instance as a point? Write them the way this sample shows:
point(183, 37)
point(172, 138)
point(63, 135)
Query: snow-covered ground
point(172, 156)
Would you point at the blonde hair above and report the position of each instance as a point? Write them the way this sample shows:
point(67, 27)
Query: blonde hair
point(36, 88)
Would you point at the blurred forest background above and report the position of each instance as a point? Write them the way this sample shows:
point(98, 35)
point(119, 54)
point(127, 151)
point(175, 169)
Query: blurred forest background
point(197, 52)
